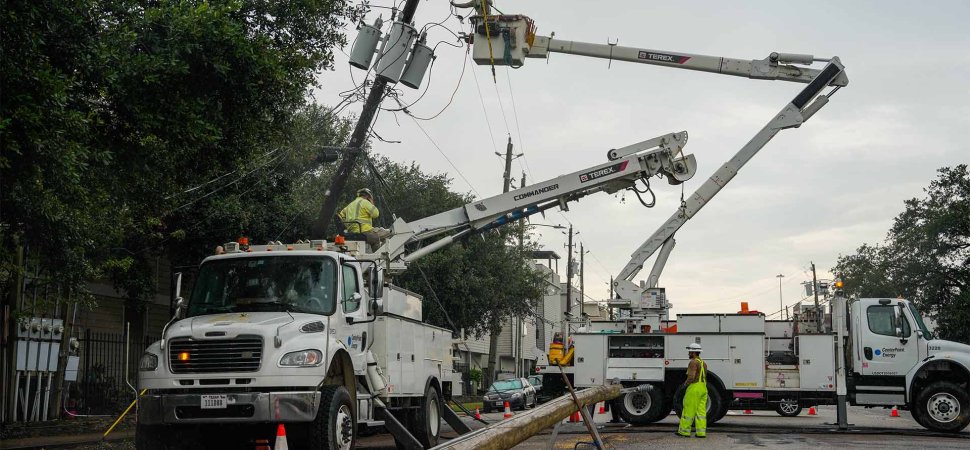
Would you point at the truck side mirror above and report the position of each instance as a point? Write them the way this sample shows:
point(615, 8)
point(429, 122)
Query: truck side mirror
point(900, 324)
point(179, 308)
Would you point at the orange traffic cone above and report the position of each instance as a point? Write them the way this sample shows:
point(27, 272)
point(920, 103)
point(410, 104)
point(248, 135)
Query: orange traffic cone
point(574, 417)
point(263, 444)
point(894, 413)
point(478, 415)
point(508, 411)
point(281, 439)
point(748, 411)
point(811, 411)
point(602, 408)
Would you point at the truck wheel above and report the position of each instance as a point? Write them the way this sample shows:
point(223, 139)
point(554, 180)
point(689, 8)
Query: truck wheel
point(788, 408)
point(426, 426)
point(943, 406)
point(716, 409)
point(334, 427)
point(641, 408)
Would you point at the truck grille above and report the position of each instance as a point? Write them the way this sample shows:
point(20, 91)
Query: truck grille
point(241, 354)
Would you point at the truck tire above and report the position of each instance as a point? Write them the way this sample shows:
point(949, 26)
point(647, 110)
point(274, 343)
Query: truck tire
point(426, 424)
point(788, 408)
point(335, 426)
point(943, 406)
point(716, 408)
point(641, 408)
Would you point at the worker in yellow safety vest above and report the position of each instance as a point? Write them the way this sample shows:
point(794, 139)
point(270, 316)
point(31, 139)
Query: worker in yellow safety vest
point(695, 396)
point(358, 217)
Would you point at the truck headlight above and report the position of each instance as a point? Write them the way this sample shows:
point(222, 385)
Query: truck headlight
point(516, 396)
point(148, 362)
point(302, 358)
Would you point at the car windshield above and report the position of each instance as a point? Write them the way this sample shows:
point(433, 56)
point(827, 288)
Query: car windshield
point(271, 283)
point(919, 322)
point(506, 385)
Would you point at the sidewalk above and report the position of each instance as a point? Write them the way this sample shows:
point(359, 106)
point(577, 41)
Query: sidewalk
point(63, 440)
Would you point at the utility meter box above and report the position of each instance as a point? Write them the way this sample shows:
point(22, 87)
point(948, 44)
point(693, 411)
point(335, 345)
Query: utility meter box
point(505, 42)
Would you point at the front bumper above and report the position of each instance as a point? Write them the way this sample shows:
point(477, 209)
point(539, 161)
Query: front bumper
point(500, 403)
point(244, 407)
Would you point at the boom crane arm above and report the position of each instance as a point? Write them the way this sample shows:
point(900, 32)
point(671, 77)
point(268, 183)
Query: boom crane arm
point(511, 39)
point(660, 156)
point(793, 115)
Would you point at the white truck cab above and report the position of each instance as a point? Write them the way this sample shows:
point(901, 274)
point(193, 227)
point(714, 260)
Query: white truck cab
point(307, 335)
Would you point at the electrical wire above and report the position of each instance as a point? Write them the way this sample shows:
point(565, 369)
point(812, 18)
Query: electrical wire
point(481, 98)
point(452, 98)
point(453, 166)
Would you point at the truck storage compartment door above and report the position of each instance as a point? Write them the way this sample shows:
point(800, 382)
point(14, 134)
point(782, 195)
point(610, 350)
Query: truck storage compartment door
point(747, 368)
point(590, 362)
point(816, 362)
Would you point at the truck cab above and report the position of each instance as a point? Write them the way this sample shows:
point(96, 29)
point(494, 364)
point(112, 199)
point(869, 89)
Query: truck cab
point(894, 360)
point(300, 334)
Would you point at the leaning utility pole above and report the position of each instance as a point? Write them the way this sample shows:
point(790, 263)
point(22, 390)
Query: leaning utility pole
point(356, 145)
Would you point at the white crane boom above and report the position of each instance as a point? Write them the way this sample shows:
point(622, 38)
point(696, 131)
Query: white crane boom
point(510, 39)
point(658, 156)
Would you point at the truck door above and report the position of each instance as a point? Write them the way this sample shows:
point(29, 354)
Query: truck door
point(889, 346)
point(352, 306)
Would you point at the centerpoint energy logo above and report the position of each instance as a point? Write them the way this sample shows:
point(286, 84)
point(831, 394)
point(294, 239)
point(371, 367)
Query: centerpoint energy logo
point(663, 57)
point(599, 173)
point(542, 190)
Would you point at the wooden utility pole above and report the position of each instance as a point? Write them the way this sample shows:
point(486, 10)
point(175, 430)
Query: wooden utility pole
point(357, 140)
point(569, 272)
point(818, 312)
point(496, 328)
point(582, 284)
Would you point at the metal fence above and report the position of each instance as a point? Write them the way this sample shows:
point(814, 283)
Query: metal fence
point(101, 387)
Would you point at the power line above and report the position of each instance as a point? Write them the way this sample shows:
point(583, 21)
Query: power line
point(484, 111)
point(453, 166)
point(518, 129)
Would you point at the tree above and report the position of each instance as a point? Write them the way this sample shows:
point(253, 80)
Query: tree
point(128, 125)
point(926, 257)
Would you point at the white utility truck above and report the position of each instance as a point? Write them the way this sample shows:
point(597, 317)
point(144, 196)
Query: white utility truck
point(869, 352)
point(878, 353)
point(310, 334)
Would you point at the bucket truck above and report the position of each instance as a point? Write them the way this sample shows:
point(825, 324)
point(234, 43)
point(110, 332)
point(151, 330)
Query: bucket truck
point(311, 334)
point(872, 352)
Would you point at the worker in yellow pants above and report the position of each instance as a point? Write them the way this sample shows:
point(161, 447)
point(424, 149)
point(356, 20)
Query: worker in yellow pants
point(695, 397)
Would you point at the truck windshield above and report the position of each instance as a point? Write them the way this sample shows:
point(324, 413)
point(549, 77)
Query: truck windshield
point(271, 283)
point(919, 322)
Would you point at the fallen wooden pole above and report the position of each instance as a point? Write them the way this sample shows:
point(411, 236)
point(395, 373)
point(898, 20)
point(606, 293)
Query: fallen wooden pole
point(510, 432)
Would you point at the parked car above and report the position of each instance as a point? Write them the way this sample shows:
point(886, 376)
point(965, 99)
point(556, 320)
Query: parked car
point(517, 391)
point(536, 382)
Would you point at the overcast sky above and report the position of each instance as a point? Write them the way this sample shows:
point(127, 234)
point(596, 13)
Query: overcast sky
point(812, 193)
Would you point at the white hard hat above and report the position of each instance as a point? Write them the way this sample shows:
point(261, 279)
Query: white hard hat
point(695, 347)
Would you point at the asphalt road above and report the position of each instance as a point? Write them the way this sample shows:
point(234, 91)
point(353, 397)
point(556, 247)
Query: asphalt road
point(870, 428)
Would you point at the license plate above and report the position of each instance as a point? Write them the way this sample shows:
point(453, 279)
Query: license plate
point(214, 401)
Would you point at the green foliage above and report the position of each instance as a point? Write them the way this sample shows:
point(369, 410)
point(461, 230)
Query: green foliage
point(129, 126)
point(474, 374)
point(926, 257)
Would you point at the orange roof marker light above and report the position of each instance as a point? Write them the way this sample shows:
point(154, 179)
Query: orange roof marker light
point(339, 240)
point(839, 284)
point(243, 240)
